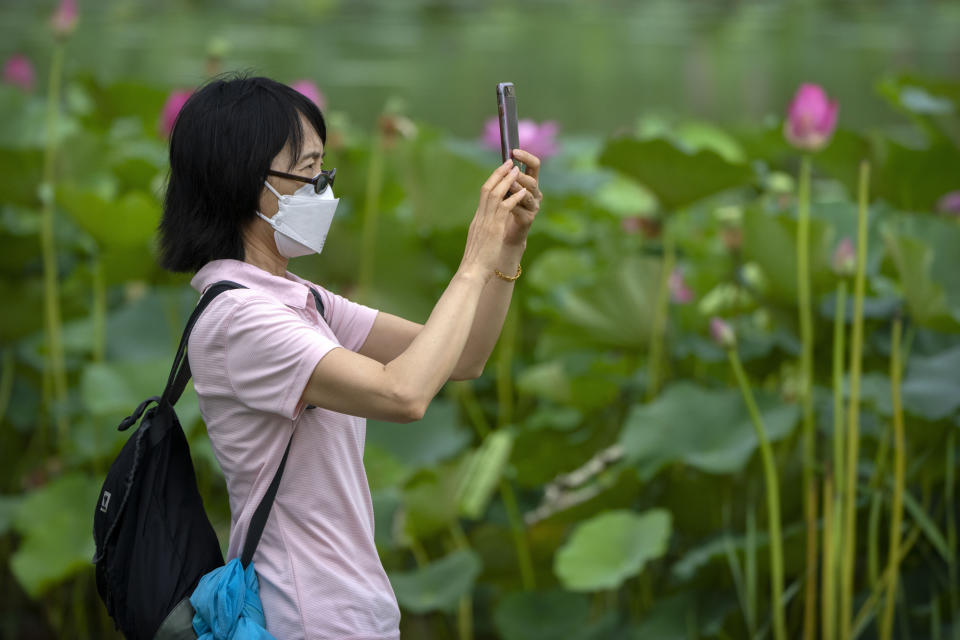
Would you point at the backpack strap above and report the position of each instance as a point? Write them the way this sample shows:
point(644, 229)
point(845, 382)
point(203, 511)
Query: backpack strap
point(259, 519)
point(177, 382)
point(317, 301)
point(180, 371)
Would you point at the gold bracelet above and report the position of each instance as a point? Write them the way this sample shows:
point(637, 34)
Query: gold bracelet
point(504, 276)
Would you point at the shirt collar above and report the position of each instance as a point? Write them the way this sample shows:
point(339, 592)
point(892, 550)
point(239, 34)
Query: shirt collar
point(290, 290)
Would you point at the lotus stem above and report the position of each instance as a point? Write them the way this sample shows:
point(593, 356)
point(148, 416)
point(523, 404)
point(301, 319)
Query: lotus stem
point(505, 351)
point(419, 553)
point(839, 339)
point(464, 390)
point(51, 284)
point(519, 535)
point(876, 501)
point(662, 311)
point(866, 611)
point(828, 619)
point(853, 420)
point(806, 396)
point(465, 606)
point(773, 499)
point(951, 471)
point(6, 380)
point(831, 565)
point(750, 568)
point(899, 471)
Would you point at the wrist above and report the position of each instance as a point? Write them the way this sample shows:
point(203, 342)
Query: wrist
point(510, 256)
point(473, 274)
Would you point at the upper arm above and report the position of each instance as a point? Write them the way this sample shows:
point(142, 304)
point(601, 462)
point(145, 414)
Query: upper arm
point(276, 362)
point(352, 383)
point(270, 353)
point(389, 337)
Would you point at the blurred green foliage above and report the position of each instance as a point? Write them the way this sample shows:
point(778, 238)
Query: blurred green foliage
point(639, 502)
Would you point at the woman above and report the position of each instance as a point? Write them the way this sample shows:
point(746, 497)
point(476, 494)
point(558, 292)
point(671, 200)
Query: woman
point(285, 357)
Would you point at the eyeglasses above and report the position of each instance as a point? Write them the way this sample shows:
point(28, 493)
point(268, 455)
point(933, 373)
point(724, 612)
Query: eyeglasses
point(322, 180)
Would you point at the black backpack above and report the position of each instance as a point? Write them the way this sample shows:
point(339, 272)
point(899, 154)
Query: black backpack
point(153, 539)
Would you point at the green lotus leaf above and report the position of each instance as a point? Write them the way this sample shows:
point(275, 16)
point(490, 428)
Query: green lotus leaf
point(542, 615)
point(611, 547)
point(914, 179)
point(625, 198)
point(438, 436)
point(617, 308)
point(127, 221)
point(770, 240)
point(54, 521)
point(439, 585)
point(706, 429)
point(484, 468)
point(8, 509)
point(430, 500)
point(931, 386)
point(443, 182)
point(922, 251)
point(677, 177)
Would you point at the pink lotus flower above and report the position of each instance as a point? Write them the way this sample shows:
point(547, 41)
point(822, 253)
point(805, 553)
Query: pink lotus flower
point(811, 118)
point(171, 109)
point(679, 291)
point(64, 19)
point(538, 139)
point(18, 71)
point(722, 333)
point(949, 203)
point(845, 258)
point(312, 91)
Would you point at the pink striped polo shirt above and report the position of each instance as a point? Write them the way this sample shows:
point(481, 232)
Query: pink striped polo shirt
point(251, 353)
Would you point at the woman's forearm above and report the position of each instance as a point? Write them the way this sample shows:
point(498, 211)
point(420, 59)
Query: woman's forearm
point(490, 315)
point(424, 366)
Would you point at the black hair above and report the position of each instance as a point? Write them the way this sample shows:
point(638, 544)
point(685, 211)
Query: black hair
point(221, 147)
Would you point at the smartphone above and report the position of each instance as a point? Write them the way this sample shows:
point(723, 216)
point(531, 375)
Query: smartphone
point(507, 110)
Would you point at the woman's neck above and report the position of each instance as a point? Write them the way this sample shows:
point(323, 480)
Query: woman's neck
point(262, 252)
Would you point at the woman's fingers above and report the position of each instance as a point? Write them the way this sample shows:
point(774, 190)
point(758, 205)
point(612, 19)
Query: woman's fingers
point(500, 190)
point(530, 184)
point(523, 215)
point(496, 177)
point(514, 199)
point(527, 158)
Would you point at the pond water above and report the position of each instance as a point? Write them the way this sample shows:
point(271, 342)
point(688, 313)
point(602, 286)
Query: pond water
point(592, 65)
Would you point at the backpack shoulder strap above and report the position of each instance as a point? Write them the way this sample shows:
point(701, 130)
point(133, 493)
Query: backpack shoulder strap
point(318, 301)
point(177, 382)
point(259, 519)
point(180, 371)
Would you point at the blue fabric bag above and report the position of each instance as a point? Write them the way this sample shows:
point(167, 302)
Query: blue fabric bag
point(227, 605)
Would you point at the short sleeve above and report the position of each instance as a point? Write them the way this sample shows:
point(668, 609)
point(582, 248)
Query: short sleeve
point(270, 355)
point(351, 322)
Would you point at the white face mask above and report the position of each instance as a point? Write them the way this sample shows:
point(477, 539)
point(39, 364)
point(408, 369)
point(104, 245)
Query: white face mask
point(302, 220)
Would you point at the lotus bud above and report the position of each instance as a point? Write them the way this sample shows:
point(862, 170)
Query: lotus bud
point(811, 118)
point(845, 259)
point(722, 333)
point(64, 19)
point(949, 203)
point(18, 72)
point(680, 293)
